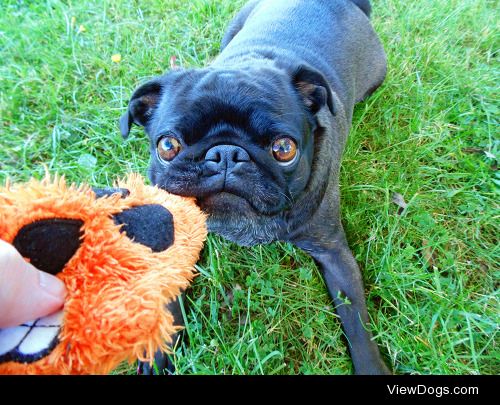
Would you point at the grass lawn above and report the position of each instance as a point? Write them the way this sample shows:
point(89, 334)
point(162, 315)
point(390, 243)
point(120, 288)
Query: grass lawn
point(429, 134)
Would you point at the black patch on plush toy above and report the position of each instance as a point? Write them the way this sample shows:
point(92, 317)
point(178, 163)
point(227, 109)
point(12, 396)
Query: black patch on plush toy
point(151, 225)
point(49, 243)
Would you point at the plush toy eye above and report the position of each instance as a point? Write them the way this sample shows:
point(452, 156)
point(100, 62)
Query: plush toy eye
point(168, 148)
point(284, 150)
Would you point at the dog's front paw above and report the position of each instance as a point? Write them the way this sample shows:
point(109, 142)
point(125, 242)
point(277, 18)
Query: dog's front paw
point(162, 365)
point(378, 368)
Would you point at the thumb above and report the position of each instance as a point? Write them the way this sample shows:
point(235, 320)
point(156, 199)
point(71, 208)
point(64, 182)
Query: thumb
point(25, 292)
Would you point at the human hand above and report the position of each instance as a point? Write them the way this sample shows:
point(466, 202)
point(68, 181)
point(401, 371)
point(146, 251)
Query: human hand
point(26, 293)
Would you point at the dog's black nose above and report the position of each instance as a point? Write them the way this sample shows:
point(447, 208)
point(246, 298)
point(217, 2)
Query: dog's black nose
point(227, 156)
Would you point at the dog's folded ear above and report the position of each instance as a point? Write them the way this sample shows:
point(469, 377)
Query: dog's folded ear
point(141, 106)
point(313, 88)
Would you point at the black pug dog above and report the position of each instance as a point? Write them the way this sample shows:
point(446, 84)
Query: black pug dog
point(257, 137)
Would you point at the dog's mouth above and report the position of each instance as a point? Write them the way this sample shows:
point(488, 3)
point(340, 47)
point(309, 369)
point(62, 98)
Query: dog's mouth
point(230, 204)
point(223, 202)
point(30, 341)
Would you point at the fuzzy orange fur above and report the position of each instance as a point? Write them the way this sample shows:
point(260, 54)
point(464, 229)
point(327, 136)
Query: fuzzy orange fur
point(117, 289)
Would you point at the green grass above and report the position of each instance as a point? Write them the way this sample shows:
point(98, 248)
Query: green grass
point(429, 133)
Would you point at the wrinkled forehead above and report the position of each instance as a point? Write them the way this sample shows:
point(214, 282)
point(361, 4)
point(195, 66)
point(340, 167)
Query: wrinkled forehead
point(261, 104)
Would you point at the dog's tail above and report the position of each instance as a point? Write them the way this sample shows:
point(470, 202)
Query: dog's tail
point(364, 5)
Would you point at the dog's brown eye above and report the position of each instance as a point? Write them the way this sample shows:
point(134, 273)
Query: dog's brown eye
point(168, 148)
point(284, 150)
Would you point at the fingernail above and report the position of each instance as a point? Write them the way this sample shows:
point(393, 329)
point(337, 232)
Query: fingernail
point(52, 285)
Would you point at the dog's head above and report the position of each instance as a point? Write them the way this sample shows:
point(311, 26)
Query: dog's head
point(241, 141)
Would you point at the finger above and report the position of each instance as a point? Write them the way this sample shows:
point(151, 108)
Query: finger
point(25, 292)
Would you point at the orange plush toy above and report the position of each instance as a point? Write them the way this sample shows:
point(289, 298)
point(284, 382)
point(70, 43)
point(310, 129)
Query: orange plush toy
point(123, 254)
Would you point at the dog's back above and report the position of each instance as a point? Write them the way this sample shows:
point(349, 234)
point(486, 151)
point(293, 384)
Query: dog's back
point(333, 36)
